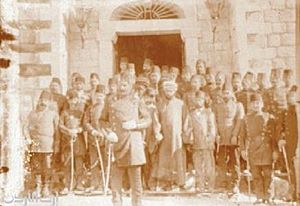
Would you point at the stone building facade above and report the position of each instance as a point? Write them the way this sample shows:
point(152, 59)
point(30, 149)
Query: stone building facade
point(57, 38)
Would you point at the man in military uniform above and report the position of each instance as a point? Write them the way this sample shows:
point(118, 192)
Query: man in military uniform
point(229, 115)
point(201, 67)
point(258, 146)
point(152, 138)
point(41, 131)
point(244, 95)
point(171, 151)
point(184, 83)
point(141, 85)
point(126, 116)
point(72, 141)
point(92, 126)
point(155, 78)
point(262, 82)
point(291, 138)
point(217, 92)
point(58, 99)
point(147, 67)
point(236, 81)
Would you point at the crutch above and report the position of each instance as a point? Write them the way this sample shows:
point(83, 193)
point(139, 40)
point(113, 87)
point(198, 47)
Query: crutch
point(72, 140)
point(100, 160)
point(108, 168)
point(286, 164)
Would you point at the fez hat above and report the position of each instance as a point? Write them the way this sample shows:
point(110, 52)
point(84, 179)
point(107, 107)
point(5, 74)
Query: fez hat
point(56, 80)
point(174, 70)
point(148, 61)
point(287, 72)
point(255, 97)
point(150, 92)
point(112, 81)
point(94, 75)
point(200, 94)
point(141, 80)
point(131, 66)
point(294, 88)
point(276, 73)
point(164, 68)
point(236, 75)
point(75, 74)
point(156, 69)
point(262, 75)
point(100, 89)
point(124, 60)
point(80, 79)
point(45, 95)
point(208, 70)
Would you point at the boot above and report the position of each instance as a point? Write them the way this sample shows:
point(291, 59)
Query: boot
point(46, 191)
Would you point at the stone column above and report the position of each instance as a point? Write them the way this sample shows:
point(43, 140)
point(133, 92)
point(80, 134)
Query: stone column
point(106, 56)
point(298, 44)
point(190, 40)
point(239, 35)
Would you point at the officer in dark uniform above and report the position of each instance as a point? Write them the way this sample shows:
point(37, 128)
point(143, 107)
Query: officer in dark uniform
point(259, 147)
point(244, 95)
point(127, 116)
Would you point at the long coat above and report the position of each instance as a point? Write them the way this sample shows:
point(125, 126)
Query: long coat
point(228, 117)
point(257, 138)
point(129, 150)
point(171, 147)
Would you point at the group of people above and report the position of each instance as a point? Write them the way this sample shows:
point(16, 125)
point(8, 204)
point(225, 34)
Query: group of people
point(155, 130)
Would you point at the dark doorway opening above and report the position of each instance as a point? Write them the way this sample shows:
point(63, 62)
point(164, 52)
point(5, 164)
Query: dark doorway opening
point(162, 49)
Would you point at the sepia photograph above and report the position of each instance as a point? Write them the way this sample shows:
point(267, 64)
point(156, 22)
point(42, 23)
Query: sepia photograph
point(149, 102)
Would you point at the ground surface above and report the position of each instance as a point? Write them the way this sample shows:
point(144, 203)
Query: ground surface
point(75, 200)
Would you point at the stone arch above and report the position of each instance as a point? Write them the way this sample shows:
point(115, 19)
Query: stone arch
point(141, 10)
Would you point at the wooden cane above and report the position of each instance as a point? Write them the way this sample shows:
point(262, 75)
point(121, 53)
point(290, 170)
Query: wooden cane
point(286, 164)
point(100, 160)
point(108, 169)
point(72, 140)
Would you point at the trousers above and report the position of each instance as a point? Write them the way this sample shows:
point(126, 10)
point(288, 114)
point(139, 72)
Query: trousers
point(261, 180)
point(135, 180)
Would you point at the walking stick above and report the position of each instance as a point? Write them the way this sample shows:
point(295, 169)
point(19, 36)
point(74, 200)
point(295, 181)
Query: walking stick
point(100, 160)
point(286, 164)
point(248, 175)
point(108, 168)
point(72, 140)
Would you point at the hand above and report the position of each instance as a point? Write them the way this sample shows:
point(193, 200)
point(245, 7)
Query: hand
point(234, 140)
point(275, 156)
point(188, 148)
point(112, 137)
point(96, 133)
point(129, 125)
point(281, 144)
point(218, 138)
point(159, 137)
point(244, 154)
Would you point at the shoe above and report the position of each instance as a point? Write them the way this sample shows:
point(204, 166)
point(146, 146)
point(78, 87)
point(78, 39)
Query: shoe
point(45, 191)
point(65, 191)
point(258, 201)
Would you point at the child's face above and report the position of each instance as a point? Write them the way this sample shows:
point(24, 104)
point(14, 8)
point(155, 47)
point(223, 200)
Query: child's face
point(186, 76)
point(256, 106)
point(196, 83)
point(123, 66)
point(78, 86)
point(94, 81)
point(169, 93)
point(55, 87)
point(154, 78)
point(113, 88)
point(200, 102)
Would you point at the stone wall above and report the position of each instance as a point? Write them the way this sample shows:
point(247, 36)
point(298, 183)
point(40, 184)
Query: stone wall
point(83, 44)
point(270, 27)
point(215, 49)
